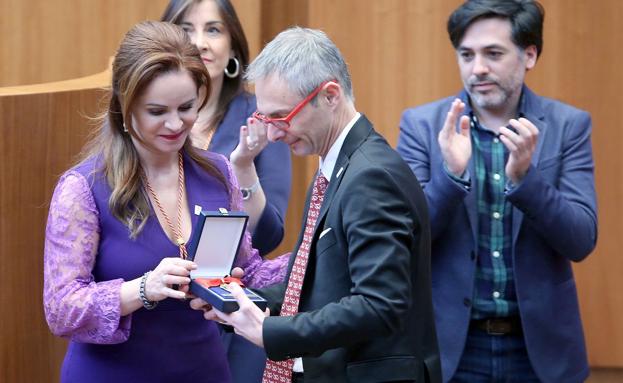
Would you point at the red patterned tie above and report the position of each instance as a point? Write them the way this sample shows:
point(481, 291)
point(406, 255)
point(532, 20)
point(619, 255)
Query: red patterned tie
point(281, 372)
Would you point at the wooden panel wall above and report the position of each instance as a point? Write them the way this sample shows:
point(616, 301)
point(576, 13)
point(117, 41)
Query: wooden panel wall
point(400, 56)
point(53, 40)
point(581, 65)
point(41, 133)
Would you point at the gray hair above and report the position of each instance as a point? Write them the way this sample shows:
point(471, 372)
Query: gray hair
point(304, 58)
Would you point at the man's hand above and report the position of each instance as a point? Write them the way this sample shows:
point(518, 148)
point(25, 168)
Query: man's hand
point(237, 272)
point(521, 146)
point(456, 148)
point(200, 304)
point(247, 321)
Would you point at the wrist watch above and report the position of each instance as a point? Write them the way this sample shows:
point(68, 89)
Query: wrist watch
point(248, 192)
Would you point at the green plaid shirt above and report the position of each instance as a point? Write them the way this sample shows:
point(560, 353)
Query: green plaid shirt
point(494, 292)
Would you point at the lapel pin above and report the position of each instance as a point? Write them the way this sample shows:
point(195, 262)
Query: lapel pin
point(198, 209)
point(339, 172)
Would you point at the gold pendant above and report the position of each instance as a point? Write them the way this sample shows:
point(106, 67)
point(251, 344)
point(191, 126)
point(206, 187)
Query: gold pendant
point(180, 241)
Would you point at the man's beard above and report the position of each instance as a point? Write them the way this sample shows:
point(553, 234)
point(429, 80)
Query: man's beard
point(497, 97)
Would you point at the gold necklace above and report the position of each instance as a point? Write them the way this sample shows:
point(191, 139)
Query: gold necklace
point(175, 231)
point(208, 140)
point(202, 133)
point(203, 143)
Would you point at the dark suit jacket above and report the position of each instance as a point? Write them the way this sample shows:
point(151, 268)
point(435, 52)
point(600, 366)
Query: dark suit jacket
point(365, 310)
point(554, 222)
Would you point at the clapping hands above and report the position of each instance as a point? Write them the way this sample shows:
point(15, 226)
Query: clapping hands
point(456, 147)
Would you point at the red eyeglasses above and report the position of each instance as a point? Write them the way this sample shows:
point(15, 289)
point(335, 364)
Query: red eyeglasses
point(283, 123)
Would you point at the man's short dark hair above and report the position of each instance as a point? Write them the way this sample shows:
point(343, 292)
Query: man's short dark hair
point(526, 18)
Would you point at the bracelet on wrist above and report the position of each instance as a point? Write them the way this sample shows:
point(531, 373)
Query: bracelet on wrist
point(247, 193)
point(149, 305)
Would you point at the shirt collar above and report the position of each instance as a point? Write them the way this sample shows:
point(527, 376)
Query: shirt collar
point(328, 162)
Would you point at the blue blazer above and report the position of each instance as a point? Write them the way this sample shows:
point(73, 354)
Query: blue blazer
point(554, 223)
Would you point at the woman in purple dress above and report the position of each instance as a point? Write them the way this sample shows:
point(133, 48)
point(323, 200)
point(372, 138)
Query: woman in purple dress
point(119, 219)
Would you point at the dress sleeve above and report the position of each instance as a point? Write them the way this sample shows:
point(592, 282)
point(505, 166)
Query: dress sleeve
point(76, 306)
point(258, 272)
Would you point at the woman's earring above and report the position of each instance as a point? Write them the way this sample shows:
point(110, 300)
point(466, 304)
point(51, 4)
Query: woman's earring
point(124, 128)
point(236, 72)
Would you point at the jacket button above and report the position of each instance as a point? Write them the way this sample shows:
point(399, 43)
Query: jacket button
point(467, 302)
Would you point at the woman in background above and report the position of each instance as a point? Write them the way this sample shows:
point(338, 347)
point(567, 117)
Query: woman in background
point(119, 219)
point(225, 125)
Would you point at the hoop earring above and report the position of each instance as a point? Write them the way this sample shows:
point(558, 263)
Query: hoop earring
point(236, 72)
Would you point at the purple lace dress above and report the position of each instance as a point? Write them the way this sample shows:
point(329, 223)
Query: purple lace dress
point(88, 255)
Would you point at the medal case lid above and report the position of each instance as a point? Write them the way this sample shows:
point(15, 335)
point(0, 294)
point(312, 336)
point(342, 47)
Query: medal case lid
point(215, 241)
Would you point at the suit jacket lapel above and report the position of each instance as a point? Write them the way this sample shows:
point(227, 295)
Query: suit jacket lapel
point(357, 135)
point(470, 202)
point(532, 110)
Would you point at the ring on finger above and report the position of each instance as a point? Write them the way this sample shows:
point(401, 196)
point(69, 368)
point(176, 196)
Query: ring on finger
point(252, 141)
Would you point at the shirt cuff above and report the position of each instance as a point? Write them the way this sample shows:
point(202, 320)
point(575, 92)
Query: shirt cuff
point(464, 180)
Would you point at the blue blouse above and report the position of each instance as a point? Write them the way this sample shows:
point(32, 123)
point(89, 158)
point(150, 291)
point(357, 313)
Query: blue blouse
point(273, 166)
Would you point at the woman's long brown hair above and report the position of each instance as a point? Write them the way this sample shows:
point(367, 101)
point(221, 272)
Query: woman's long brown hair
point(147, 51)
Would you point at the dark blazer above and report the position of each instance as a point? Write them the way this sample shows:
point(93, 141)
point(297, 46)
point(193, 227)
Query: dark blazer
point(365, 310)
point(554, 222)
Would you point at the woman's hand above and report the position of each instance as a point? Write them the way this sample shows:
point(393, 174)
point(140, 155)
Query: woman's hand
point(253, 140)
point(170, 271)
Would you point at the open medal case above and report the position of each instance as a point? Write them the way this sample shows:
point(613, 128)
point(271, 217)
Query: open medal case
point(216, 239)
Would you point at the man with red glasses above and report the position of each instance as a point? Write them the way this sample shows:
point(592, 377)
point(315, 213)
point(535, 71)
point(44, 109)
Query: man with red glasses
point(356, 306)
